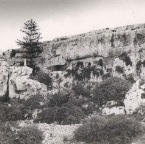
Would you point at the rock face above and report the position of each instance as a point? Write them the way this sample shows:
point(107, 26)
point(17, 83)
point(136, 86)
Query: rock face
point(111, 108)
point(21, 86)
point(96, 55)
point(113, 111)
point(135, 97)
point(4, 72)
point(15, 82)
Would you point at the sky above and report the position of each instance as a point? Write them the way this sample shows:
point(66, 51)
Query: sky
point(57, 18)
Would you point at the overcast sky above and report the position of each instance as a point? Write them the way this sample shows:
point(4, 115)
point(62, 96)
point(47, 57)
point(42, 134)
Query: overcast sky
point(58, 18)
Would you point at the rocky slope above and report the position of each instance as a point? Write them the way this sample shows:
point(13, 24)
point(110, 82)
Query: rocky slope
point(90, 57)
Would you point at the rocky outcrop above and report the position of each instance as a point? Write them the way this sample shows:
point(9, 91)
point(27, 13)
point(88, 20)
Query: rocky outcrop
point(105, 43)
point(15, 82)
point(113, 110)
point(4, 74)
point(20, 85)
point(135, 97)
point(104, 53)
point(133, 103)
point(107, 52)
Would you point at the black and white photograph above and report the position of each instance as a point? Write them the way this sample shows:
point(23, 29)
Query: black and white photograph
point(72, 71)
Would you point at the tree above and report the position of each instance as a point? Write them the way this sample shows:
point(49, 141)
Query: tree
point(30, 44)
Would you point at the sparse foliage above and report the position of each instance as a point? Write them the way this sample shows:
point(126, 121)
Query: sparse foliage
point(111, 89)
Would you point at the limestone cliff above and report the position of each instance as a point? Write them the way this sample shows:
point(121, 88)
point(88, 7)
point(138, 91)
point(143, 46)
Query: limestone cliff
point(96, 55)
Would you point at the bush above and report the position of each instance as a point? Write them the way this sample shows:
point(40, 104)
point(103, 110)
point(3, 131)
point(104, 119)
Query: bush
point(80, 88)
point(119, 69)
point(11, 134)
point(42, 78)
point(34, 102)
point(11, 113)
point(47, 115)
point(126, 59)
point(66, 114)
point(58, 99)
point(115, 130)
point(69, 114)
point(77, 102)
point(129, 77)
point(13, 53)
point(111, 89)
point(30, 135)
point(7, 136)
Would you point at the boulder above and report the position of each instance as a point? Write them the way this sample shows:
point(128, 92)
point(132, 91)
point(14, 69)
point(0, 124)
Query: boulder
point(21, 86)
point(116, 110)
point(134, 97)
point(112, 108)
point(4, 72)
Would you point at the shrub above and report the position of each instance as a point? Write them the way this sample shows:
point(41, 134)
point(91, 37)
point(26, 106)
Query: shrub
point(85, 132)
point(114, 130)
point(126, 59)
point(34, 102)
point(11, 134)
point(139, 140)
point(77, 102)
point(69, 114)
point(129, 77)
point(30, 135)
point(42, 78)
point(119, 69)
point(13, 53)
point(7, 136)
point(111, 89)
point(138, 67)
point(89, 108)
point(71, 120)
point(11, 113)
point(58, 99)
point(47, 115)
point(65, 140)
point(80, 88)
point(66, 114)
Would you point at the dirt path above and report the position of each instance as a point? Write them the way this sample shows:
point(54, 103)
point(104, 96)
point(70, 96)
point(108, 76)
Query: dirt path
point(54, 134)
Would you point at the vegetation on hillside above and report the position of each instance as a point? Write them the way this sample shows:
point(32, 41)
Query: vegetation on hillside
point(111, 89)
point(113, 130)
point(12, 134)
point(75, 106)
